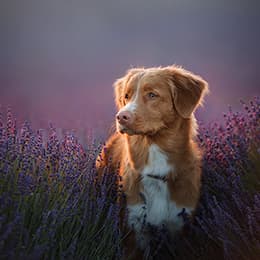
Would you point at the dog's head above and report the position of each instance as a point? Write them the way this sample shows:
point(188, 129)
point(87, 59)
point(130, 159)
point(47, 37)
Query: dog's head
point(151, 99)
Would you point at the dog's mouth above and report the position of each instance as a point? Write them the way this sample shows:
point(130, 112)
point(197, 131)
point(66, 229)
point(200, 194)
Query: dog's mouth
point(126, 130)
point(123, 129)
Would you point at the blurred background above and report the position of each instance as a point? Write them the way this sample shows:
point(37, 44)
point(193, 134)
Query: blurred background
point(59, 58)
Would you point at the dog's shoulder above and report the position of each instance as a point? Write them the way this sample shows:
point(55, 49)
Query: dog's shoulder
point(114, 145)
point(110, 155)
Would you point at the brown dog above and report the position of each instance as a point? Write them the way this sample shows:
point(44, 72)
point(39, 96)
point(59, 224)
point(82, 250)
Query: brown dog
point(155, 147)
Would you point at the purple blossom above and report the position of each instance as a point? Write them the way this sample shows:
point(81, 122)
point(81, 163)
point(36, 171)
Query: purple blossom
point(52, 205)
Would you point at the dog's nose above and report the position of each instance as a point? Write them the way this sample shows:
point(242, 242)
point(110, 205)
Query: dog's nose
point(124, 117)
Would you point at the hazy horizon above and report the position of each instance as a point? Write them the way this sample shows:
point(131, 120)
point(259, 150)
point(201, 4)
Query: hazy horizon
point(59, 59)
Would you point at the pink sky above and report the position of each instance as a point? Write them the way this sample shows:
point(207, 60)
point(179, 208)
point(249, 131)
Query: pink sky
point(59, 59)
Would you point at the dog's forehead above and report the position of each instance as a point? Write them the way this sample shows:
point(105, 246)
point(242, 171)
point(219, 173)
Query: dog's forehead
point(148, 77)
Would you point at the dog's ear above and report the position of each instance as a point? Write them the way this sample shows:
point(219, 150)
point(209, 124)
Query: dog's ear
point(188, 90)
point(120, 85)
point(119, 88)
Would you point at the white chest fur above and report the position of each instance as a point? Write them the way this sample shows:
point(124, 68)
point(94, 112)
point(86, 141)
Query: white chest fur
point(157, 208)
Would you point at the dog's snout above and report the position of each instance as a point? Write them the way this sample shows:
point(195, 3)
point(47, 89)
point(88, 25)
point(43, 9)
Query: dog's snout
point(124, 117)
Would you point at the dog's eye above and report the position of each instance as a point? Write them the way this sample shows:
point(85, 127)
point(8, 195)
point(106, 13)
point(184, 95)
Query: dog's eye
point(126, 96)
point(151, 95)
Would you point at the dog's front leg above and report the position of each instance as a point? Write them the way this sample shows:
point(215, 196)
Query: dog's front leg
point(137, 214)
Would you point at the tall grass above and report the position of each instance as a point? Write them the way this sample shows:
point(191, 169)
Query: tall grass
point(53, 207)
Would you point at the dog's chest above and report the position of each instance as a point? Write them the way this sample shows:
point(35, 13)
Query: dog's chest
point(155, 190)
point(157, 207)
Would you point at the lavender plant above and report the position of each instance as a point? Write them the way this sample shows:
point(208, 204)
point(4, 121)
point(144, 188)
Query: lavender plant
point(229, 213)
point(52, 206)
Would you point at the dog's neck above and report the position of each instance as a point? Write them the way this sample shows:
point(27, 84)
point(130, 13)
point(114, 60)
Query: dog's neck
point(173, 140)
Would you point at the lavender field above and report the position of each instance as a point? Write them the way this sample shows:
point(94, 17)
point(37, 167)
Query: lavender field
point(53, 207)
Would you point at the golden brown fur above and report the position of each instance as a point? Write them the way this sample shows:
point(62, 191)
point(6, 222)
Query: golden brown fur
point(165, 119)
